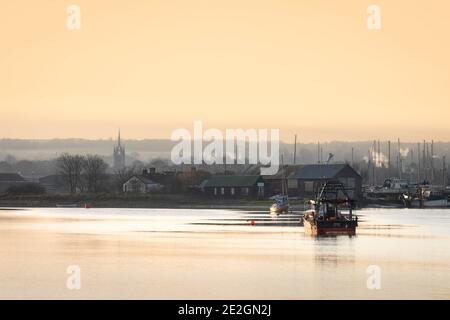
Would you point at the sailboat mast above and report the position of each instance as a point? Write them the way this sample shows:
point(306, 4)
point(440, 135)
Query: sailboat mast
point(283, 191)
point(295, 149)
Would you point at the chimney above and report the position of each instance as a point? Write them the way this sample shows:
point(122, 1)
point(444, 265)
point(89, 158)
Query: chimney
point(152, 170)
point(145, 172)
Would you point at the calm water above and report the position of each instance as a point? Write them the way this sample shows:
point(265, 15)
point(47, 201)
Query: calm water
point(214, 254)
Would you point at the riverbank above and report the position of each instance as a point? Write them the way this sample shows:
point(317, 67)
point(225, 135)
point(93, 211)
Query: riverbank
point(188, 201)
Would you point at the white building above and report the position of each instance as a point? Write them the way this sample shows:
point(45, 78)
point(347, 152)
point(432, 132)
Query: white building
point(141, 184)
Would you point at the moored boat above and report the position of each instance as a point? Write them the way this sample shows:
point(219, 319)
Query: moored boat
point(281, 202)
point(430, 203)
point(281, 205)
point(426, 197)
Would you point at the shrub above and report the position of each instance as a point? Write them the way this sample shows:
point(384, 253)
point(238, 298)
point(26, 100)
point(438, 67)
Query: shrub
point(26, 188)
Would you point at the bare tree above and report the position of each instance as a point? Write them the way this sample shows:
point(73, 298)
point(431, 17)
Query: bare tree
point(94, 171)
point(70, 167)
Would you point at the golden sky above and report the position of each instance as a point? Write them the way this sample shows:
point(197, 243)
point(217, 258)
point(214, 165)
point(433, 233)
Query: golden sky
point(304, 66)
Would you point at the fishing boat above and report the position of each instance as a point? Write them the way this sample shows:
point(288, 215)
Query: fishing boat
point(389, 193)
point(281, 202)
point(325, 217)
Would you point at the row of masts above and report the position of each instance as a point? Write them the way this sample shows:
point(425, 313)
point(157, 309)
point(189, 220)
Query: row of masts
point(424, 163)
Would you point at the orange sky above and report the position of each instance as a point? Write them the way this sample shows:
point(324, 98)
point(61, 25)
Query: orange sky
point(304, 66)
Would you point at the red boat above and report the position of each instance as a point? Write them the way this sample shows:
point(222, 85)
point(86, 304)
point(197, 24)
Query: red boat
point(325, 217)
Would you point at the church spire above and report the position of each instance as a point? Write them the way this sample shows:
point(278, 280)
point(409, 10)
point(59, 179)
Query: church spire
point(119, 154)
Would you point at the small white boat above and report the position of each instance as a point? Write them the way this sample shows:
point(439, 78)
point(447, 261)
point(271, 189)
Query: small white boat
point(281, 205)
point(281, 202)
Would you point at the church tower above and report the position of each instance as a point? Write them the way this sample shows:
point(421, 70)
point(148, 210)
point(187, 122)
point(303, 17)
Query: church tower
point(119, 155)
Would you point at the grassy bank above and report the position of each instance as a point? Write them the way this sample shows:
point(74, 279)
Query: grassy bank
point(132, 201)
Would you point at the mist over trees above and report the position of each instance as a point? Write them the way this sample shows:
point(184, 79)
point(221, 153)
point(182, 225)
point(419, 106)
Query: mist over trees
point(38, 158)
point(149, 150)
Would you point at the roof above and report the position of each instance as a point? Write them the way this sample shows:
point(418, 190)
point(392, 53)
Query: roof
point(319, 171)
point(288, 169)
point(53, 178)
point(11, 177)
point(143, 179)
point(232, 181)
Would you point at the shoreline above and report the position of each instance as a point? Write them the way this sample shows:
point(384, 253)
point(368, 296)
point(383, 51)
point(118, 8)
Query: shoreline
point(155, 201)
point(137, 201)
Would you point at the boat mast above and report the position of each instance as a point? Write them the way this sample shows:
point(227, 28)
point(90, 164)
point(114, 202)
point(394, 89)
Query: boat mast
point(318, 152)
point(295, 149)
point(418, 162)
point(444, 173)
point(432, 162)
point(389, 158)
point(283, 177)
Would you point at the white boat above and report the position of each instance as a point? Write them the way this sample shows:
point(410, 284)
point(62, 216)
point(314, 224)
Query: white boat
point(281, 205)
point(427, 197)
point(281, 202)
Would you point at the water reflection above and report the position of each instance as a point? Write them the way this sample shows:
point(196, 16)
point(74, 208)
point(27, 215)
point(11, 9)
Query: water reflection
point(189, 254)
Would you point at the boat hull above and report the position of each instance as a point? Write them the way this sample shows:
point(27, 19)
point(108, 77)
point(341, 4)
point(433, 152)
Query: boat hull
point(439, 203)
point(330, 228)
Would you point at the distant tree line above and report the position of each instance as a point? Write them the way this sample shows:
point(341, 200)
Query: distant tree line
point(82, 173)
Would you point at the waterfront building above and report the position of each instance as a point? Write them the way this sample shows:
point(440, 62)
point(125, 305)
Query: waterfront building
point(235, 187)
point(10, 179)
point(308, 180)
point(141, 184)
